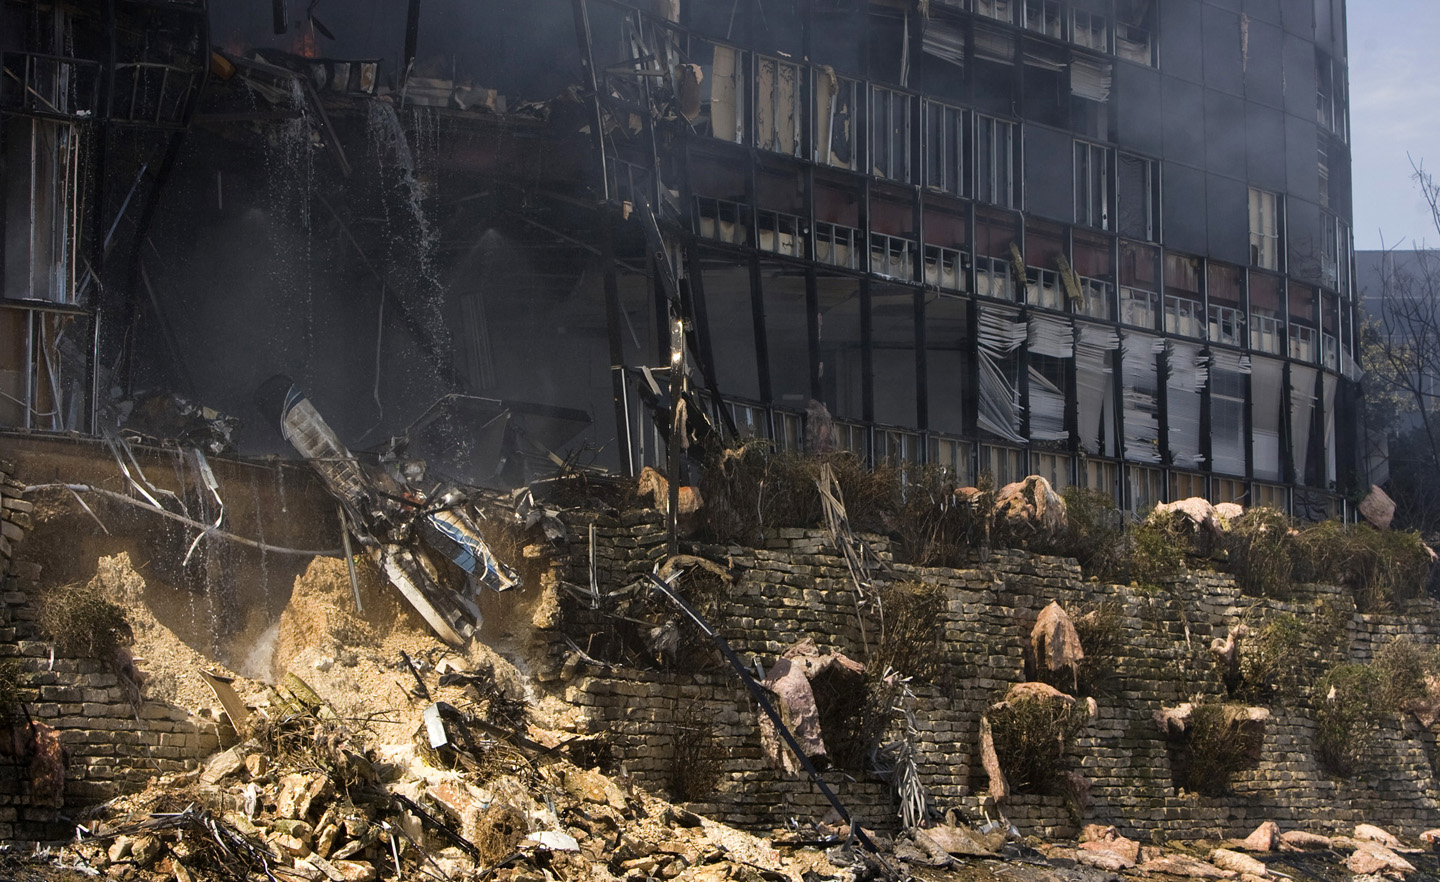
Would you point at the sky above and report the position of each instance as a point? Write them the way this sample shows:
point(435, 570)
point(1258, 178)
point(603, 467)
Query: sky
point(1394, 110)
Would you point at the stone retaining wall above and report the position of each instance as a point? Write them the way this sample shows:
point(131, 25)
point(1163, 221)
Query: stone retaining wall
point(113, 743)
point(797, 588)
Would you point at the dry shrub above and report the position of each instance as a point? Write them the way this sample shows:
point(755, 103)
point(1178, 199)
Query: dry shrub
point(913, 630)
point(854, 720)
point(697, 759)
point(1214, 750)
point(1260, 546)
point(1272, 659)
point(12, 691)
point(83, 623)
point(1348, 704)
point(1101, 628)
point(1403, 666)
point(1378, 567)
point(1094, 534)
point(1032, 737)
point(497, 832)
point(1157, 549)
point(934, 528)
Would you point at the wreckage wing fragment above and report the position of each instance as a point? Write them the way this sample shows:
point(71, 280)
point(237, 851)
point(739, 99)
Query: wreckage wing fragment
point(408, 573)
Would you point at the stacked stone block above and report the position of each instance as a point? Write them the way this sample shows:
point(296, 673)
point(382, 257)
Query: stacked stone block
point(796, 587)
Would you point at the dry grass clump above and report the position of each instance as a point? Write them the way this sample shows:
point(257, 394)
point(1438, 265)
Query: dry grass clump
point(1157, 549)
point(1348, 704)
point(1260, 545)
point(934, 528)
point(83, 623)
point(1272, 659)
point(1215, 749)
point(1404, 666)
point(498, 831)
point(1032, 740)
point(912, 631)
point(1379, 567)
point(1094, 534)
point(697, 759)
point(12, 691)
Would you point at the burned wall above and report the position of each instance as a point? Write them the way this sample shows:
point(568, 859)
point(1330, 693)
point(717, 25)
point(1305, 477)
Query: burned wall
point(796, 588)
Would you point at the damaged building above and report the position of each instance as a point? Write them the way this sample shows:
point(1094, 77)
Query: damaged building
point(1102, 241)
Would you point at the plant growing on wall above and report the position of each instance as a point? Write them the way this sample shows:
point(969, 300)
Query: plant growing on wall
point(1033, 737)
point(1348, 705)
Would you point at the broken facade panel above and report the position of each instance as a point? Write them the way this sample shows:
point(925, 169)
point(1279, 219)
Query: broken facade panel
point(1140, 392)
point(999, 336)
point(1187, 375)
point(1095, 351)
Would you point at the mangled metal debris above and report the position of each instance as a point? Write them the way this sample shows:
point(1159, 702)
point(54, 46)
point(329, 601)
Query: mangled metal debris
point(397, 523)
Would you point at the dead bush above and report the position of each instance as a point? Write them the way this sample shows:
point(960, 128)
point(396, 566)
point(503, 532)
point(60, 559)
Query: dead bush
point(697, 759)
point(1347, 708)
point(1101, 628)
point(1260, 547)
point(1032, 740)
point(1378, 567)
point(934, 528)
point(1214, 750)
point(853, 721)
point(83, 623)
point(1272, 659)
point(912, 630)
point(1404, 666)
point(1094, 534)
point(498, 831)
point(1157, 549)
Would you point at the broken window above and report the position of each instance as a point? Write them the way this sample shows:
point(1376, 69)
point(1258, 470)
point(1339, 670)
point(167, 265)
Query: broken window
point(1266, 387)
point(777, 106)
point(1100, 476)
point(779, 225)
point(947, 253)
point(1184, 306)
point(947, 343)
point(1324, 92)
point(1045, 251)
point(1001, 10)
point(1302, 322)
point(1226, 318)
point(730, 312)
point(1043, 16)
point(999, 337)
point(1090, 24)
point(721, 220)
point(1093, 276)
point(1139, 284)
point(787, 333)
point(1052, 352)
point(1228, 371)
point(1138, 198)
point(1185, 486)
point(838, 240)
point(1147, 488)
point(892, 239)
point(1135, 25)
point(994, 255)
point(1140, 396)
point(995, 161)
point(890, 133)
point(841, 357)
point(41, 221)
point(893, 360)
point(835, 104)
point(1090, 80)
point(1046, 98)
point(944, 41)
point(1092, 185)
point(1053, 467)
point(44, 379)
point(1264, 229)
point(1186, 375)
point(945, 148)
point(723, 90)
point(1266, 321)
point(1329, 384)
point(1001, 463)
point(1228, 490)
point(1329, 328)
point(992, 83)
point(1302, 413)
point(1094, 382)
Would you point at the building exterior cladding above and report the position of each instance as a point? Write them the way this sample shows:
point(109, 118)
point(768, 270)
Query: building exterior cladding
point(1105, 242)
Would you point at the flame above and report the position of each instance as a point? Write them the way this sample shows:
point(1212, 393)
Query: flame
point(305, 44)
